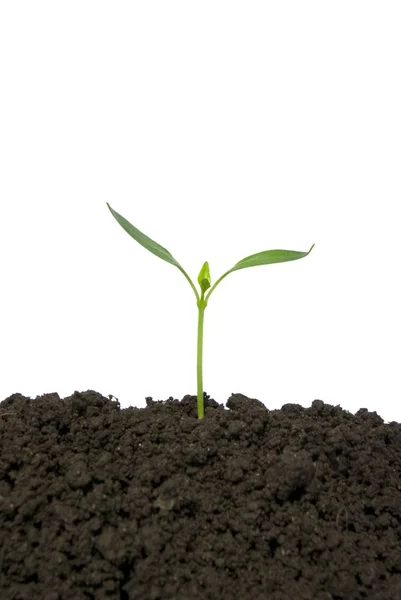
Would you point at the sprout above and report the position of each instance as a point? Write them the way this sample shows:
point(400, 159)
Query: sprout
point(261, 258)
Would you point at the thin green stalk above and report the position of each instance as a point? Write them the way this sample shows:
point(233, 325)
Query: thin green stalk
point(199, 357)
point(190, 283)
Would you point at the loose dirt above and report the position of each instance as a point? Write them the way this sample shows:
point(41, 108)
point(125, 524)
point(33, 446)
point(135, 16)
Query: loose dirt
point(99, 502)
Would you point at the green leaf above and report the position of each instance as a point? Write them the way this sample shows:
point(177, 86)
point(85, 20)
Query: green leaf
point(268, 257)
point(204, 277)
point(262, 258)
point(144, 240)
point(151, 245)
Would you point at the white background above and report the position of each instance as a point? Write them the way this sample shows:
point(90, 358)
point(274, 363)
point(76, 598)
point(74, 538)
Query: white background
point(220, 129)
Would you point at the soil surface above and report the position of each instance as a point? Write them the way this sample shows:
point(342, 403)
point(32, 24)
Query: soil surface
point(99, 502)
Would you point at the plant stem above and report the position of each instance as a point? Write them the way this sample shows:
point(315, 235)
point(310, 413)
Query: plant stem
point(199, 360)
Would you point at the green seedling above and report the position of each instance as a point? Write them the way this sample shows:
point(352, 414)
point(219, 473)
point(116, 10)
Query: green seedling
point(261, 258)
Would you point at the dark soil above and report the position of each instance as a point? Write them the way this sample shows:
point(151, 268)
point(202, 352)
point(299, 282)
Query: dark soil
point(99, 502)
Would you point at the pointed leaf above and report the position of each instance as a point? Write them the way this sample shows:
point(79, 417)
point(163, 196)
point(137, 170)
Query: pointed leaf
point(143, 239)
point(204, 277)
point(268, 257)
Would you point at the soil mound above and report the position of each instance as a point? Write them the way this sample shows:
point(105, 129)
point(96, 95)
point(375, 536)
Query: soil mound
point(99, 502)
